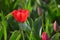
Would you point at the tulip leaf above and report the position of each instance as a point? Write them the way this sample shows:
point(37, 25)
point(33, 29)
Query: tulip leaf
point(58, 13)
point(18, 38)
point(26, 26)
point(38, 24)
point(40, 32)
point(15, 35)
point(15, 4)
point(52, 10)
point(4, 24)
point(0, 31)
point(49, 27)
point(31, 22)
point(38, 27)
point(8, 16)
point(6, 2)
point(55, 36)
point(32, 36)
point(28, 5)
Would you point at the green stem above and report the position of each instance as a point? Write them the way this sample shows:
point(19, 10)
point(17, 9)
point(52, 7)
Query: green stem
point(30, 36)
point(5, 32)
point(4, 24)
point(43, 21)
point(23, 35)
point(31, 33)
point(21, 29)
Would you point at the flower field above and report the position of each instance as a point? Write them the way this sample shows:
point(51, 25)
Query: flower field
point(29, 19)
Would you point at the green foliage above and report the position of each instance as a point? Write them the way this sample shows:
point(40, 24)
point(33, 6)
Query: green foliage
point(16, 35)
point(32, 29)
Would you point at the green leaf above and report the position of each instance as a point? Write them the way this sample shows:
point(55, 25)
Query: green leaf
point(8, 16)
point(26, 26)
point(56, 36)
point(0, 35)
point(32, 36)
point(58, 13)
point(18, 37)
point(38, 24)
point(15, 35)
point(31, 22)
point(28, 5)
point(40, 32)
point(49, 27)
point(38, 27)
point(0, 14)
point(0, 31)
point(21, 3)
point(52, 10)
point(15, 4)
point(6, 2)
point(4, 24)
point(38, 1)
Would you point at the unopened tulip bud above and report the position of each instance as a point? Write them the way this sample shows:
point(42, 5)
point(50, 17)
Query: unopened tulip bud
point(45, 36)
point(39, 10)
point(55, 26)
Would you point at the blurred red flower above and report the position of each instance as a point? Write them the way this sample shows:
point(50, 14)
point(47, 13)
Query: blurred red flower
point(20, 15)
point(45, 36)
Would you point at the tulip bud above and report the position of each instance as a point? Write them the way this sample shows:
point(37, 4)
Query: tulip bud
point(39, 10)
point(55, 26)
point(45, 36)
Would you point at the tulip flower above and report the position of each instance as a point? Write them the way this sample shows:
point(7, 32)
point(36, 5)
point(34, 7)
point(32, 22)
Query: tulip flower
point(45, 36)
point(20, 15)
point(39, 10)
point(55, 26)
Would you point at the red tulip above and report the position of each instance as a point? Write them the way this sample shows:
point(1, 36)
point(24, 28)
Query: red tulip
point(55, 26)
point(20, 15)
point(45, 36)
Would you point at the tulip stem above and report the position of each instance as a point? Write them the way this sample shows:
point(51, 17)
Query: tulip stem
point(22, 33)
point(43, 20)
